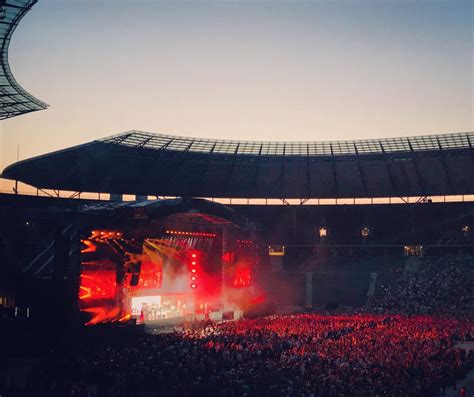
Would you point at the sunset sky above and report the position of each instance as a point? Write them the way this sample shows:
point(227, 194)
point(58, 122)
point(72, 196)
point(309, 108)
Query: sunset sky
point(268, 70)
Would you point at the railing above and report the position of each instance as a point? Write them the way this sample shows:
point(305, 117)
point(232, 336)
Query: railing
point(258, 201)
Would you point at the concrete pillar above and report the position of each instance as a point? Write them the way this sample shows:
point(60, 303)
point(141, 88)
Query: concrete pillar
point(116, 197)
point(309, 289)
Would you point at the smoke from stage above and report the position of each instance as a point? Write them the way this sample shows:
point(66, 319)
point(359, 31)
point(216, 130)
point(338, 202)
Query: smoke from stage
point(178, 275)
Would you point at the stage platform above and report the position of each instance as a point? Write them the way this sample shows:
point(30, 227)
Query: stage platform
point(166, 325)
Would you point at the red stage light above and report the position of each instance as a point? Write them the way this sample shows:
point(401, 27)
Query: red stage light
point(193, 278)
point(196, 234)
point(242, 277)
point(193, 263)
point(193, 285)
point(89, 246)
point(193, 255)
point(193, 270)
point(228, 257)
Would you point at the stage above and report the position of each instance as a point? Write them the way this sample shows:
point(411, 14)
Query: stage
point(166, 325)
point(167, 280)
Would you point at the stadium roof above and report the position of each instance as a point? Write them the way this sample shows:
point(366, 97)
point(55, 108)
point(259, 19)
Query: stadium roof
point(143, 163)
point(14, 100)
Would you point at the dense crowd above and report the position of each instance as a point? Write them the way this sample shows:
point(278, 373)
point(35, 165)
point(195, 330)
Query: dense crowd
point(300, 355)
point(443, 284)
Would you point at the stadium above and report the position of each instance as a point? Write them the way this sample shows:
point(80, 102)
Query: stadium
point(151, 264)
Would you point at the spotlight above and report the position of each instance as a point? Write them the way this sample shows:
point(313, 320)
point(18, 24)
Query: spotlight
point(466, 229)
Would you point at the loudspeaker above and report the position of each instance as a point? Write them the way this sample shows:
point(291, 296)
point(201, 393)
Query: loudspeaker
point(134, 268)
point(228, 315)
point(134, 279)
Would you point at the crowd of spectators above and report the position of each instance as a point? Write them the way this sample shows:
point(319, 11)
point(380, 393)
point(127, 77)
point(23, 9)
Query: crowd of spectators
point(410, 348)
point(297, 355)
point(440, 285)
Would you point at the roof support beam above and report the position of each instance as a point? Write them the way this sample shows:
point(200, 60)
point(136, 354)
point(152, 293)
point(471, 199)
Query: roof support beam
point(421, 199)
point(471, 147)
point(208, 162)
point(165, 146)
point(18, 7)
point(364, 184)
point(445, 168)
point(257, 171)
point(77, 194)
point(389, 171)
point(231, 167)
point(308, 172)
point(121, 139)
point(45, 192)
point(282, 171)
point(417, 171)
point(333, 164)
point(144, 142)
point(171, 174)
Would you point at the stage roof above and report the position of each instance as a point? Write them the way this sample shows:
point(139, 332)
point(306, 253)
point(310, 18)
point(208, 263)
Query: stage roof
point(14, 100)
point(189, 208)
point(143, 163)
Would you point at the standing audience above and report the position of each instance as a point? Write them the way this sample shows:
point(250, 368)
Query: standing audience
point(300, 355)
